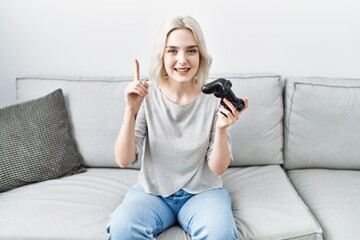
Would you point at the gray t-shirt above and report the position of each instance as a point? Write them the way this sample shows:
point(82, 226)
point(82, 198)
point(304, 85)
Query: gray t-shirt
point(174, 143)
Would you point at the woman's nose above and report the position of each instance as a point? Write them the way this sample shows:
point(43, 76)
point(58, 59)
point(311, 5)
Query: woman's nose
point(181, 58)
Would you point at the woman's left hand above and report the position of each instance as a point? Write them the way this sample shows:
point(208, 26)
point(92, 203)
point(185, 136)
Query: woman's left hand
point(232, 116)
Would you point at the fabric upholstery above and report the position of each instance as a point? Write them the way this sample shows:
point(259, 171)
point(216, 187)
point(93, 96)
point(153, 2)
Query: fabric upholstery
point(333, 196)
point(75, 207)
point(322, 123)
point(264, 203)
point(36, 143)
point(176, 233)
point(95, 107)
point(266, 206)
point(257, 139)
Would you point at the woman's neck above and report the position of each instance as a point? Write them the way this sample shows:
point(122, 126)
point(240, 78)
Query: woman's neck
point(180, 93)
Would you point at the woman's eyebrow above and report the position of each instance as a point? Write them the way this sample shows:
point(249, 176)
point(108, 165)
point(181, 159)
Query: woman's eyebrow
point(192, 46)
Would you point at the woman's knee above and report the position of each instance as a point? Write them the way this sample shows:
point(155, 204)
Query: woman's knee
point(209, 216)
point(122, 225)
point(140, 216)
point(214, 225)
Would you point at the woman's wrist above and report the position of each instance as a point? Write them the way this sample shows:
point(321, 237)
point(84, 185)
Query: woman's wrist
point(222, 129)
point(129, 115)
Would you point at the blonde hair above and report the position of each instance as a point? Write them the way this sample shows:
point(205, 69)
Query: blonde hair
point(157, 72)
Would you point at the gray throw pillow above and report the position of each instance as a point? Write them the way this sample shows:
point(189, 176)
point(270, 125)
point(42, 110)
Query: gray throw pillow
point(36, 142)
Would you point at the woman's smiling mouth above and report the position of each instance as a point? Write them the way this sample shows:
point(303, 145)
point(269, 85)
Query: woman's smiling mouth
point(182, 70)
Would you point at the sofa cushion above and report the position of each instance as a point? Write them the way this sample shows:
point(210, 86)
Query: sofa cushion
point(36, 142)
point(266, 205)
point(333, 196)
point(95, 107)
point(72, 208)
point(322, 123)
point(257, 138)
point(175, 232)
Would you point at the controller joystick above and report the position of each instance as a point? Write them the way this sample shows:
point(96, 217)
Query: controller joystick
point(222, 89)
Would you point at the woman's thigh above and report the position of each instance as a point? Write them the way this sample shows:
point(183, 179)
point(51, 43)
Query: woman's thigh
point(140, 216)
point(208, 215)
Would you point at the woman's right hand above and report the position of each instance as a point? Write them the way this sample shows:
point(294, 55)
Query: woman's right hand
point(135, 92)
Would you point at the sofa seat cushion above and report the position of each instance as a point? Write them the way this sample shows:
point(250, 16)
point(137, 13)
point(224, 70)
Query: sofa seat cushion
point(75, 207)
point(175, 232)
point(266, 205)
point(333, 196)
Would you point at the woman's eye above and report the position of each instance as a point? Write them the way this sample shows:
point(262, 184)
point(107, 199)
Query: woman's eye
point(192, 51)
point(171, 50)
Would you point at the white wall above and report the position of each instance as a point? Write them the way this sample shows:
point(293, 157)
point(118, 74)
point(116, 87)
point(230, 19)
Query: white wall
point(102, 37)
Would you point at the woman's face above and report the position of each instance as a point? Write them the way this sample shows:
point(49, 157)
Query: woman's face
point(181, 56)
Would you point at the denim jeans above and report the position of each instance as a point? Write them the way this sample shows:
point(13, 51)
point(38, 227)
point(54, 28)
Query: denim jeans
point(206, 215)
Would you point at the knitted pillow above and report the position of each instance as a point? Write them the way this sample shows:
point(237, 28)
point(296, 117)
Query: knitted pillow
point(36, 142)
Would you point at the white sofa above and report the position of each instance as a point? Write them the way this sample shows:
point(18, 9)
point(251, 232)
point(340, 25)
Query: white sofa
point(295, 173)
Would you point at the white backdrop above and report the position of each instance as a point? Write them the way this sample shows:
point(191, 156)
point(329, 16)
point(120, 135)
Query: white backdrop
point(102, 37)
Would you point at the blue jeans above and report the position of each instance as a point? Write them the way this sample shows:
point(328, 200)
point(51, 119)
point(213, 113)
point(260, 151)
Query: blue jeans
point(206, 215)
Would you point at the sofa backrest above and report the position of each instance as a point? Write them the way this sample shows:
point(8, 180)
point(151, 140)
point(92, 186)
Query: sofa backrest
point(322, 123)
point(95, 107)
point(257, 138)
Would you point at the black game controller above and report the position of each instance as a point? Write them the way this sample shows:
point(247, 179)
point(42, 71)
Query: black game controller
point(222, 89)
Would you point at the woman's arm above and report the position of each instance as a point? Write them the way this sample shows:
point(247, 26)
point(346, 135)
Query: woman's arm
point(220, 157)
point(125, 149)
point(125, 146)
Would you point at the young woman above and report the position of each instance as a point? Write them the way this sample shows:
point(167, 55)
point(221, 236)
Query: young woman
point(182, 139)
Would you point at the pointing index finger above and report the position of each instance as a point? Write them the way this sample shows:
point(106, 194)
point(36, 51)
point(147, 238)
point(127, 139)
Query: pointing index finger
point(136, 71)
